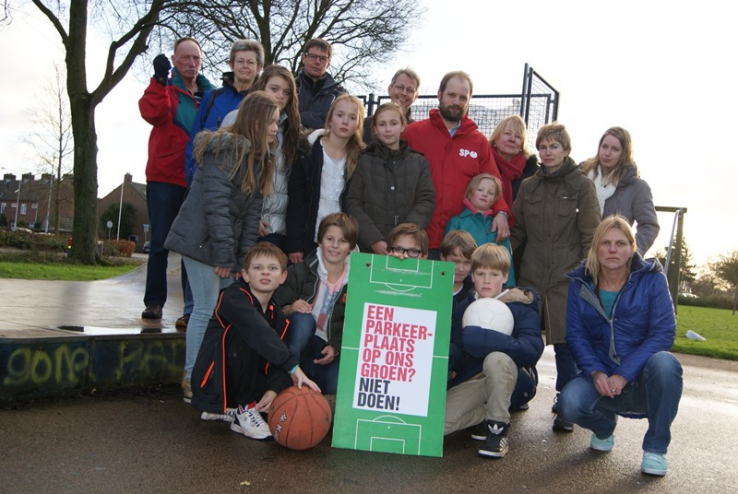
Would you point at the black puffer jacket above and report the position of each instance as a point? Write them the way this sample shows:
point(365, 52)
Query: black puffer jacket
point(315, 98)
point(217, 223)
point(388, 188)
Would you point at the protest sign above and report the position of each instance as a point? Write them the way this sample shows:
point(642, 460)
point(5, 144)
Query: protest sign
point(394, 356)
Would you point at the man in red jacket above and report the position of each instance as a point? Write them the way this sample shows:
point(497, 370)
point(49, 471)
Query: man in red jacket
point(456, 151)
point(170, 105)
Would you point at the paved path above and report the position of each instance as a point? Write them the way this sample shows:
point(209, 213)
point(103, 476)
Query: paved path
point(151, 442)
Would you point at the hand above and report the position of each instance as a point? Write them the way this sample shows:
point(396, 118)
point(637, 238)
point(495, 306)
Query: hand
point(263, 229)
point(299, 378)
point(380, 247)
point(616, 383)
point(502, 227)
point(161, 68)
point(300, 306)
point(223, 272)
point(296, 257)
point(329, 353)
point(601, 385)
point(266, 402)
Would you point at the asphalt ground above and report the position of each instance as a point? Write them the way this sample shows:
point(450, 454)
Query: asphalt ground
point(148, 440)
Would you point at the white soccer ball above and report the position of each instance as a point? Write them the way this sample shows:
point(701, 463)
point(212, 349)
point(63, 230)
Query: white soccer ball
point(489, 313)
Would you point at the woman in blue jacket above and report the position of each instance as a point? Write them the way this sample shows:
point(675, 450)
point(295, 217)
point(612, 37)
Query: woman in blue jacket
point(620, 328)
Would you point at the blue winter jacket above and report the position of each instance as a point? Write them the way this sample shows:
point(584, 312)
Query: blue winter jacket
point(641, 325)
point(471, 344)
point(214, 106)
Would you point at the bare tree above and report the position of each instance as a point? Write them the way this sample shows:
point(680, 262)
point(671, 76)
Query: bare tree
point(362, 32)
point(129, 23)
point(726, 268)
point(51, 138)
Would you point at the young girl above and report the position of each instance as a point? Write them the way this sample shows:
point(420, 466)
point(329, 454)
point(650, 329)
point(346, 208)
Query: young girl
point(483, 190)
point(278, 82)
point(317, 184)
point(219, 219)
point(314, 299)
point(392, 183)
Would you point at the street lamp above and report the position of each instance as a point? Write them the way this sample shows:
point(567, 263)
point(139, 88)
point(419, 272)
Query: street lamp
point(17, 205)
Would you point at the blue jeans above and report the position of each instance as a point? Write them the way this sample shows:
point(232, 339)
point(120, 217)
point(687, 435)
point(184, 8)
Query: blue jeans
point(566, 366)
point(655, 394)
point(206, 286)
point(306, 346)
point(164, 201)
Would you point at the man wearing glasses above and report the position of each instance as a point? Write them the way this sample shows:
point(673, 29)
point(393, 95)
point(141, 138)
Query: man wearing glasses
point(316, 89)
point(403, 91)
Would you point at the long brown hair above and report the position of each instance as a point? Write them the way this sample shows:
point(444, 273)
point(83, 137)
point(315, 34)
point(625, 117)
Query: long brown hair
point(626, 157)
point(355, 144)
point(291, 130)
point(252, 121)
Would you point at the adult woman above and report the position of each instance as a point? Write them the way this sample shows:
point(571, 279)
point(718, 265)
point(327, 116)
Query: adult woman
point(620, 190)
point(557, 210)
point(219, 219)
point(509, 148)
point(278, 81)
point(620, 326)
point(246, 60)
point(318, 181)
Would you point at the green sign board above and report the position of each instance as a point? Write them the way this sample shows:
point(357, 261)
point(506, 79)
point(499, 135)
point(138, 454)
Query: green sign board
point(394, 356)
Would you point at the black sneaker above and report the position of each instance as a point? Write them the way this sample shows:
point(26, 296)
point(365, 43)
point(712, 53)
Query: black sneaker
point(495, 446)
point(561, 425)
point(480, 431)
point(152, 312)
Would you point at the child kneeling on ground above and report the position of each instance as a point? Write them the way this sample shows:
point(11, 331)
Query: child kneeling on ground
point(246, 331)
point(493, 372)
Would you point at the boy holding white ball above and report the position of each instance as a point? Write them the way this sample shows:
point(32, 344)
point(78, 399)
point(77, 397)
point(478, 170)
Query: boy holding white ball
point(493, 372)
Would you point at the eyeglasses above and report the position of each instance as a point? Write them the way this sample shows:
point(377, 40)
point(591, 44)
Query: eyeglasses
point(398, 251)
point(313, 57)
point(404, 89)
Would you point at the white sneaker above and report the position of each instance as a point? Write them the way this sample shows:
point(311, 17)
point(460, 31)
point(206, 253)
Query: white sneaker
point(250, 423)
point(229, 416)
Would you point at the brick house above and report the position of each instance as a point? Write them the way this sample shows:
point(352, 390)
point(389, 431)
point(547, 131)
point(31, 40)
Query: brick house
point(135, 195)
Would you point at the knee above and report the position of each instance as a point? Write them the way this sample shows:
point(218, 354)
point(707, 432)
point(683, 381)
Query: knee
point(663, 365)
point(302, 324)
point(572, 398)
point(497, 362)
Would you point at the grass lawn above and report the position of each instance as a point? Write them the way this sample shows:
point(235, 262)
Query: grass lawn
point(61, 270)
point(718, 326)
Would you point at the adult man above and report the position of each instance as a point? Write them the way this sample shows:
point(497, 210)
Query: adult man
point(316, 89)
point(403, 91)
point(170, 105)
point(456, 151)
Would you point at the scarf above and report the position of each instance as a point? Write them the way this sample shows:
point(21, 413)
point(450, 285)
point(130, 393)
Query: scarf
point(604, 192)
point(510, 171)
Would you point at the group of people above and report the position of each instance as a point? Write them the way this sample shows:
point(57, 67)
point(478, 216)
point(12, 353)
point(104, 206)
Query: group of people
point(273, 170)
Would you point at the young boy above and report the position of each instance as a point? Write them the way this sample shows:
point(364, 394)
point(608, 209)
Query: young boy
point(494, 372)
point(246, 331)
point(457, 247)
point(314, 299)
point(408, 240)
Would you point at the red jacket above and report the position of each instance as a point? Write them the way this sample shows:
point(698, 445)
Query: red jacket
point(454, 161)
point(171, 110)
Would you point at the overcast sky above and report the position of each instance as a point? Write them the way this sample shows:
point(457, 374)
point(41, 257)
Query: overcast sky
point(664, 71)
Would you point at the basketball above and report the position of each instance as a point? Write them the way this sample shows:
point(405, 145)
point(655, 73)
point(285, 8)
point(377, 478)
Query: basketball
point(299, 418)
point(489, 313)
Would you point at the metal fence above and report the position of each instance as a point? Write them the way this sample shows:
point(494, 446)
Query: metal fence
point(537, 104)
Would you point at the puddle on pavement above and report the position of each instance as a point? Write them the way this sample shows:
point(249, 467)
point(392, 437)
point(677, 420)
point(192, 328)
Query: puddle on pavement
point(98, 331)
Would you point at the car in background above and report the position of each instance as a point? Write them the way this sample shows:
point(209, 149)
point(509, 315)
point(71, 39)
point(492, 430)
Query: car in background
point(146, 247)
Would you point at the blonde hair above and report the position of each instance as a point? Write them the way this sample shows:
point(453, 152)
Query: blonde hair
point(355, 144)
point(252, 121)
point(388, 107)
point(592, 264)
point(626, 157)
point(490, 256)
point(518, 125)
point(477, 179)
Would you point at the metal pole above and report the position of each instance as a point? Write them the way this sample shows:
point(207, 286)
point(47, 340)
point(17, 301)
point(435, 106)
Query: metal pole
point(120, 207)
point(48, 205)
point(17, 204)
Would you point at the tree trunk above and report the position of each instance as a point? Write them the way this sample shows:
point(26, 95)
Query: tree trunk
point(84, 240)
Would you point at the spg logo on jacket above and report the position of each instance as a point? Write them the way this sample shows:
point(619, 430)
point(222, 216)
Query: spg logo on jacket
point(466, 153)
